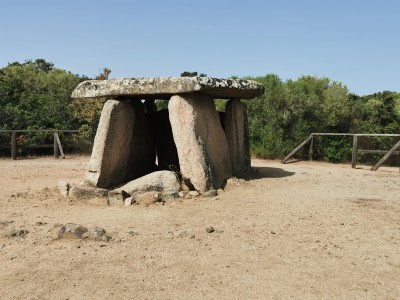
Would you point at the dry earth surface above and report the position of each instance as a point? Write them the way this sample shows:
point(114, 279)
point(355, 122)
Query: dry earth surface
point(302, 230)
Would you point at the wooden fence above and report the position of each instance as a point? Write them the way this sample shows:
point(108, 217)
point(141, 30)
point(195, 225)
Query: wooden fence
point(355, 150)
point(58, 149)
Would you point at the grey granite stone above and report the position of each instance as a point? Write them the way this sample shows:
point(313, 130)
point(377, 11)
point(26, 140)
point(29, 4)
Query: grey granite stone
point(165, 87)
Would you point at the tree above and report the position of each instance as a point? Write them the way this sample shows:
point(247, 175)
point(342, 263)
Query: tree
point(35, 95)
point(104, 74)
point(88, 111)
point(289, 111)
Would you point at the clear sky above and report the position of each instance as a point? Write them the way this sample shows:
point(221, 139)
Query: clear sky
point(356, 42)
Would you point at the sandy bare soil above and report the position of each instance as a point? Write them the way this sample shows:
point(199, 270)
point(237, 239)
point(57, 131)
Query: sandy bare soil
point(303, 230)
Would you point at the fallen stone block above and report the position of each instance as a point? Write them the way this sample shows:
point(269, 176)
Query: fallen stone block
point(160, 181)
point(88, 194)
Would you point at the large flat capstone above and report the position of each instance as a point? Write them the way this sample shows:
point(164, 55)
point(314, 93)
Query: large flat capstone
point(165, 87)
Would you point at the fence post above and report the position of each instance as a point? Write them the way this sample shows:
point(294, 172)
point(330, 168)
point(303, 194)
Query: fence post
point(56, 151)
point(387, 155)
point(311, 150)
point(297, 149)
point(59, 144)
point(354, 152)
point(14, 145)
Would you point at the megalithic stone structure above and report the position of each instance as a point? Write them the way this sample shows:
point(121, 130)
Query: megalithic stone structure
point(129, 134)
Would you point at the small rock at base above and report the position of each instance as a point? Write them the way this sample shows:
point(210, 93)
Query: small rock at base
point(194, 193)
point(88, 194)
point(115, 202)
point(210, 229)
point(99, 234)
point(128, 201)
point(169, 196)
point(147, 198)
point(18, 233)
point(71, 230)
point(210, 193)
point(63, 187)
point(181, 194)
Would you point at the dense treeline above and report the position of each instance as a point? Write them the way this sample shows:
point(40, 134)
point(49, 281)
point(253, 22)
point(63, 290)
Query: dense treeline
point(36, 95)
point(289, 111)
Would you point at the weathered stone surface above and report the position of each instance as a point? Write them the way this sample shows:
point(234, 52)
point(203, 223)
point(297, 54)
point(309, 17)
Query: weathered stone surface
point(167, 155)
point(147, 198)
point(237, 135)
point(76, 231)
point(128, 201)
point(194, 193)
point(200, 141)
point(98, 234)
point(107, 166)
point(142, 149)
point(18, 233)
point(169, 196)
point(210, 193)
point(117, 201)
point(165, 87)
point(160, 181)
point(63, 187)
point(71, 231)
point(89, 194)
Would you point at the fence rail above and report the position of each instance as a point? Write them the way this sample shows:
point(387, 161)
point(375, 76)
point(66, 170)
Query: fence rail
point(57, 146)
point(355, 150)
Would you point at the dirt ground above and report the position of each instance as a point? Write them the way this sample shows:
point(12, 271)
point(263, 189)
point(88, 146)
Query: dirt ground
point(303, 230)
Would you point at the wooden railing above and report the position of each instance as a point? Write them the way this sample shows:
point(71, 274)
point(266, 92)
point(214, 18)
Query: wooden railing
point(355, 150)
point(58, 149)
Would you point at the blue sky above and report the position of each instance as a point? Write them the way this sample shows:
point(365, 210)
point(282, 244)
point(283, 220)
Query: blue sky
point(353, 42)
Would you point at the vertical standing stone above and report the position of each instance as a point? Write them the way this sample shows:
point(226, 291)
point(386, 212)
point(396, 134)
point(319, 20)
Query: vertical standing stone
point(237, 134)
point(107, 165)
point(200, 141)
point(142, 152)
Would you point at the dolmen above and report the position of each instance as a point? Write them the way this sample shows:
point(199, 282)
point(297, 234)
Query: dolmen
point(188, 146)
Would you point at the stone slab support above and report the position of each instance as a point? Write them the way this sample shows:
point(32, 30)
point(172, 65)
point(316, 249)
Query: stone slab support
point(237, 134)
point(200, 141)
point(107, 165)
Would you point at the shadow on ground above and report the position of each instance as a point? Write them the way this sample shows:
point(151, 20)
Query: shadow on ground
point(268, 172)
